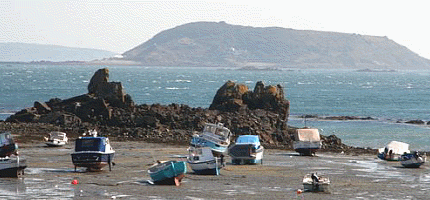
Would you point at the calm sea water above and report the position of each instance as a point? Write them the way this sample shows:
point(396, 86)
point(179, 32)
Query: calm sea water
point(390, 97)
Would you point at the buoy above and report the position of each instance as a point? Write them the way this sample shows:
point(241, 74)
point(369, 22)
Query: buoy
point(299, 191)
point(75, 182)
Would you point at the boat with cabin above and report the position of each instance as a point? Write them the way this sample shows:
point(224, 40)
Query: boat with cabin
point(56, 139)
point(393, 151)
point(202, 161)
point(168, 172)
point(215, 136)
point(246, 150)
point(11, 164)
point(413, 160)
point(307, 141)
point(93, 152)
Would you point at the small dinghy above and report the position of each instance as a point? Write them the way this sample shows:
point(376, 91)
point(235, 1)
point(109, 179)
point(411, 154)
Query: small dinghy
point(413, 160)
point(168, 172)
point(315, 183)
point(56, 139)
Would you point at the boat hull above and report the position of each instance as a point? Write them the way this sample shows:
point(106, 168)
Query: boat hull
point(246, 154)
point(322, 185)
point(12, 167)
point(412, 161)
point(306, 148)
point(55, 143)
point(383, 156)
point(94, 161)
point(170, 172)
point(211, 167)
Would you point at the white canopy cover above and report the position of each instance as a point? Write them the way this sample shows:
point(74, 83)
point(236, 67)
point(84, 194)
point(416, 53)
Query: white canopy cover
point(307, 134)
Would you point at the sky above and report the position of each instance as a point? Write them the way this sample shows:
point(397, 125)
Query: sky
point(119, 26)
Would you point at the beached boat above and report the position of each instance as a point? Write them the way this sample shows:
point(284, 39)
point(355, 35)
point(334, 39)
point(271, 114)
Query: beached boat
point(413, 160)
point(215, 136)
point(93, 152)
point(202, 161)
point(7, 144)
point(246, 150)
point(11, 165)
point(307, 141)
point(168, 172)
point(315, 183)
point(393, 150)
point(56, 139)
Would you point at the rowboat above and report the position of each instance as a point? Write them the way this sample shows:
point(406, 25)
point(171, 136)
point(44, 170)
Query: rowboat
point(168, 172)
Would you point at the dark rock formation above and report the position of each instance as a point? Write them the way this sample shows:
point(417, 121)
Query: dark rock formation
point(106, 107)
point(233, 97)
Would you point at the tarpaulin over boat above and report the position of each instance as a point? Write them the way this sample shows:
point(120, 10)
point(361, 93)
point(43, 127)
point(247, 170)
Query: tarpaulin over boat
point(307, 134)
point(396, 147)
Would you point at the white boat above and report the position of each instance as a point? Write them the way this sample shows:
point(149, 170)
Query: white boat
point(202, 161)
point(246, 150)
point(12, 166)
point(393, 150)
point(93, 152)
point(56, 139)
point(413, 160)
point(316, 183)
point(215, 136)
point(307, 141)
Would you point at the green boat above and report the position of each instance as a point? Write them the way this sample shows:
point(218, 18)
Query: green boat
point(168, 172)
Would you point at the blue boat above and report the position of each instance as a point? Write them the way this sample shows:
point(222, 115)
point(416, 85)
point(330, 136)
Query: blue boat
point(168, 172)
point(246, 150)
point(413, 160)
point(93, 152)
point(214, 136)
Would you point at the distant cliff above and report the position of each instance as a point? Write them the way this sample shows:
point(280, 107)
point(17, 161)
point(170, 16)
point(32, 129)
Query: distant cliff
point(221, 44)
point(22, 52)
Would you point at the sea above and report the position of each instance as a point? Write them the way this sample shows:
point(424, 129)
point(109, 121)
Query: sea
point(390, 97)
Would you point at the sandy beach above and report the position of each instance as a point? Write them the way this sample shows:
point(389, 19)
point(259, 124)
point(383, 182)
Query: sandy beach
point(50, 173)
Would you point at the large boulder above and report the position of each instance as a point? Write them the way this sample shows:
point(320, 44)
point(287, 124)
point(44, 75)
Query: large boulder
point(112, 92)
point(233, 97)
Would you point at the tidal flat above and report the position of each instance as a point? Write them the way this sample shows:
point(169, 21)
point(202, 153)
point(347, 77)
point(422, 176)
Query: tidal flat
point(50, 173)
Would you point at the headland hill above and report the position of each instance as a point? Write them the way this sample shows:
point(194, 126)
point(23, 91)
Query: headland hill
point(218, 44)
point(263, 111)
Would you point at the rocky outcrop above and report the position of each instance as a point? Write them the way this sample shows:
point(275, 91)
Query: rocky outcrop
point(106, 107)
point(95, 106)
point(234, 97)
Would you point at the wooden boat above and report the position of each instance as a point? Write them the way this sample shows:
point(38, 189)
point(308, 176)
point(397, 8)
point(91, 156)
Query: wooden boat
point(307, 141)
point(56, 139)
point(202, 161)
point(246, 150)
point(393, 150)
point(168, 172)
point(315, 183)
point(93, 152)
point(413, 160)
point(215, 136)
point(11, 165)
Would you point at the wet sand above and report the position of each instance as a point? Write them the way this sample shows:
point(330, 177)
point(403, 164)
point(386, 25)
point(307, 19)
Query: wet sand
point(50, 173)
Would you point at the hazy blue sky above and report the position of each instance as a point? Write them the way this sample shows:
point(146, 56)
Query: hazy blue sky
point(121, 25)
